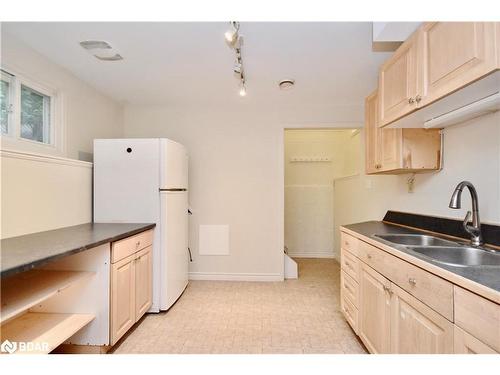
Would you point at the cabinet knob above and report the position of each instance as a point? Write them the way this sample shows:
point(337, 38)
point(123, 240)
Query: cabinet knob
point(369, 256)
point(411, 100)
point(378, 166)
point(418, 98)
point(412, 281)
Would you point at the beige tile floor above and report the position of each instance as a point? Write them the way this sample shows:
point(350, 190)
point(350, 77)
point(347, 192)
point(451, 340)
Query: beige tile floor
point(295, 316)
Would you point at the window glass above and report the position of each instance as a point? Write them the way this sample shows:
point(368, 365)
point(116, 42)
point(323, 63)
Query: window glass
point(5, 105)
point(35, 115)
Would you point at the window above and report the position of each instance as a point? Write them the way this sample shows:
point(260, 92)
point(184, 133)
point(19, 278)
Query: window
point(35, 115)
point(28, 115)
point(6, 89)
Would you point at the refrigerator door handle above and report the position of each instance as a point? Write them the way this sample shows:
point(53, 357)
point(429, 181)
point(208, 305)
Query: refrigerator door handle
point(173, 189)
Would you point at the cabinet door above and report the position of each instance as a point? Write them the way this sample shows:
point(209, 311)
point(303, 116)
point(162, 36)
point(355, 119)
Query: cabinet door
point(455, 54)
point(467, 344)
point(398, 82)
point(416, 328)
point(374, 310)
point(143, 282)
point(371, 134)
point(122, 297)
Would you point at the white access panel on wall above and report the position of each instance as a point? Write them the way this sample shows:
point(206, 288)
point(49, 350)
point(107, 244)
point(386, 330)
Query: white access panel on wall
point(214, 240)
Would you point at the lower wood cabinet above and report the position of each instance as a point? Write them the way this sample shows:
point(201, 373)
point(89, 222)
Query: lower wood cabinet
point(375, 310)
point(143, 282)
point(131, 291)
point(122, 297)
point(465, 343)
point(416, 328)
point(393, 321)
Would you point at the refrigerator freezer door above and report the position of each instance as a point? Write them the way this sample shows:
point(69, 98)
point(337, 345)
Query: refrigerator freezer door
point(174, 168)
point(174, 243)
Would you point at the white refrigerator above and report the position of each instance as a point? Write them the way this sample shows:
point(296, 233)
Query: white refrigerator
point(142, 181)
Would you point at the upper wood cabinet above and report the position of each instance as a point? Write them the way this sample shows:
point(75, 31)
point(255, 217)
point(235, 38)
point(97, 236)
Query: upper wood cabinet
point(454, 54)
point(394, 151)
point(372, 132)
point(398, 82)
point(438, 59)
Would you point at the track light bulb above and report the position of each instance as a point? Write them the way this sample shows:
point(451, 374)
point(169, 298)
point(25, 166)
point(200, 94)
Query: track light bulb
point(243, 90)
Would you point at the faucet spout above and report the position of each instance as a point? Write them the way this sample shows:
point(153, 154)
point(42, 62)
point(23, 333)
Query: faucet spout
point(455, 202)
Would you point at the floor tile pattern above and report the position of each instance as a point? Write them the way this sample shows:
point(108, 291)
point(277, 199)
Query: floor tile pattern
point(295, 316)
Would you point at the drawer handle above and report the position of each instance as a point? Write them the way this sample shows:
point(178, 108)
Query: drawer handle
point(388, 289)
point(138, 244)
point(369, 256)
point(347, 313)
point(348, 288)
point(412, 281)
point(346, 243)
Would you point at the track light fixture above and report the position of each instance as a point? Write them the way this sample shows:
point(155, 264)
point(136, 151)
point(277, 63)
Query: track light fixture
point(234, 40)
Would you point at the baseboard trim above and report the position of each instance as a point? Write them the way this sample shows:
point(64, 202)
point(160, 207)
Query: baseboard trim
point(213, 276)
point(310, 255)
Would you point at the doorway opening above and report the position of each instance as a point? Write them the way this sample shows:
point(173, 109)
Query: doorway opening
point(314, 160)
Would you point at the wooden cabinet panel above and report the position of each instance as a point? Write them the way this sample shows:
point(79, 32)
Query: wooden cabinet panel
point(130, 245)
point(349, 288)
point(349, 263)
point(349, 243)
point(143, 282)
point(350, 313)
point(454, 54)
point(372, 145)
point(428, 288)
point(398, 82)
point(478, 316)
point(416, 328)
point(374, 310)
point(465, 343)
point(122, 297)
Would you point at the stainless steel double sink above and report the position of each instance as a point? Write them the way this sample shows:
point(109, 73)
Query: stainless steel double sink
point(444, 251)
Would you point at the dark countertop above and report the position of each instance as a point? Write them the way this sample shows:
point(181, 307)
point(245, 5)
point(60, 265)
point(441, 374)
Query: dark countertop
point(488, 276)
point(18, 254)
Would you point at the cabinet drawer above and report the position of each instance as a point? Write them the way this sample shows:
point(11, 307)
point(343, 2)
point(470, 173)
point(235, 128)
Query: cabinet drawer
point(350, 313)
point(128, 246)
point(349, 243)
point(349, 288)
point(350, 264)
point(468, 344)
point(478, 316)
point(435, 292)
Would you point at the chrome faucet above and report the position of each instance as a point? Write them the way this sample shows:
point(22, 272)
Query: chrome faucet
point(475, 229)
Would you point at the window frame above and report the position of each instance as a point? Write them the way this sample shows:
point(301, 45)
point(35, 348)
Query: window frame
point(13, 139)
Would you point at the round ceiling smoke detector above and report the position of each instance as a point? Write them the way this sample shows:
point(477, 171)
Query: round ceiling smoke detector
point(286, 84)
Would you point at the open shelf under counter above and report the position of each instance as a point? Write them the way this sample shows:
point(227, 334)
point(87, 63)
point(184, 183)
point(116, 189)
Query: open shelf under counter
point(44, 331)
point(25, 290)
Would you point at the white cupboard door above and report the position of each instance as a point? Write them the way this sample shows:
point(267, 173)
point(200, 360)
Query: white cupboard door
point(143, 282)
point(122, 297)
point(374, 310)
point(174, 243)
point(416, 328)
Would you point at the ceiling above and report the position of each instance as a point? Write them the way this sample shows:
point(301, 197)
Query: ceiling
point(189, 65)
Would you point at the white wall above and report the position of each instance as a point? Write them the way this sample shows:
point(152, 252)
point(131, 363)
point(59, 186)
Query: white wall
point(88, 114)
point(309, 188)
point(235, 178)
point(40, 193)
point(471, 152)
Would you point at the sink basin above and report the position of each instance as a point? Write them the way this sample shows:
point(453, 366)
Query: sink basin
point(459, 256)
point(415, 240)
